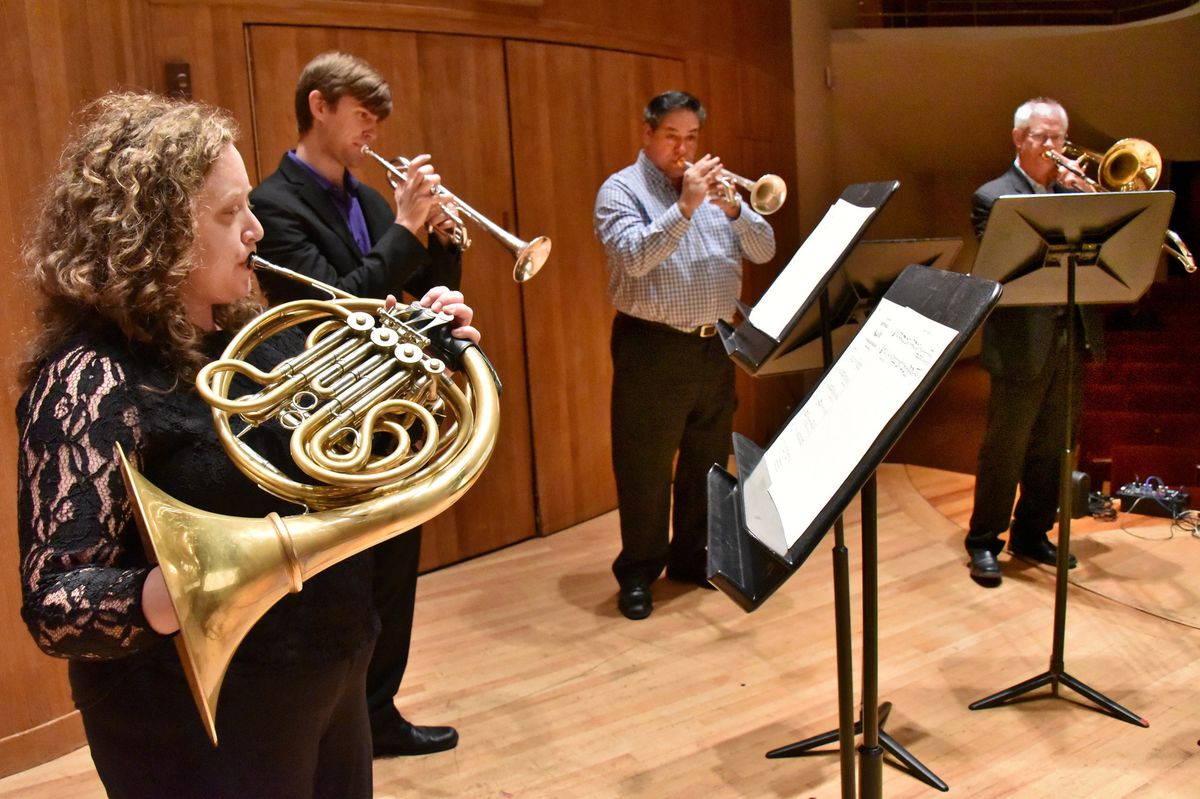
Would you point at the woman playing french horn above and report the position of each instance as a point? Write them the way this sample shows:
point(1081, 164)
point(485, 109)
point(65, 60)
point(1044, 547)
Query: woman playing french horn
point(141, 259)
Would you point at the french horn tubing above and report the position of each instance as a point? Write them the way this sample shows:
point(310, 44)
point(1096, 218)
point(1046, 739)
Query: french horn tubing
point(367, 375)
point(530, 255)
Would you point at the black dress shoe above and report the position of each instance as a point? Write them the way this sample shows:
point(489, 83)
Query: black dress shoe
point(1041, 551)
point(398, 738)
point(634, 602)
point(985, 570)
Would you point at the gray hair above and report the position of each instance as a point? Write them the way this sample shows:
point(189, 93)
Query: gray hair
point(1042, 106)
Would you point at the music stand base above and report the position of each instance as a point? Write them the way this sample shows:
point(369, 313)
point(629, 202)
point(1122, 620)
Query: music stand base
point(907, 762)
point(1053, 678)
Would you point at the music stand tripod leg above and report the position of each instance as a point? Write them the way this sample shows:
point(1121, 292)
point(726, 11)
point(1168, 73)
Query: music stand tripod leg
point(1000, 697)
point(915, 767)
point(1103, 701)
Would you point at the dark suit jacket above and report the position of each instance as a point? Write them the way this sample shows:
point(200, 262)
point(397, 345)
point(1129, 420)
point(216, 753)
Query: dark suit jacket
point(1016, 340)
point(304, 231)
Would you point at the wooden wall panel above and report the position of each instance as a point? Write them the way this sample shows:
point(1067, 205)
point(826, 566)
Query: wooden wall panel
point(211, 39)
point(577, 117)
point(449, 100)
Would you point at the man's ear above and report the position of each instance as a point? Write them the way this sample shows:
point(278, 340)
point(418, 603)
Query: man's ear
point(1018, 137)
point(317, 105)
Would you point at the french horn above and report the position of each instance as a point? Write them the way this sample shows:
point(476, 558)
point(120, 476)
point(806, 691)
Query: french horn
point(389, 436)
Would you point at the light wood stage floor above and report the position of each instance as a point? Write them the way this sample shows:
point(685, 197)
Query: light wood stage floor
point(556, 695)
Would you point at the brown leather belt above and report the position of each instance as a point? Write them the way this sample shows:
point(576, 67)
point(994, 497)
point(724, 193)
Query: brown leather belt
point(703, 331)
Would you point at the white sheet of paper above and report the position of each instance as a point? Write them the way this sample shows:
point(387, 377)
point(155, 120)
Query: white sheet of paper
point(808, 266)
point(825, 440)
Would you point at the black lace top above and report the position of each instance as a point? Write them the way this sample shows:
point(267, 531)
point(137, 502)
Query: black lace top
point(82, 562)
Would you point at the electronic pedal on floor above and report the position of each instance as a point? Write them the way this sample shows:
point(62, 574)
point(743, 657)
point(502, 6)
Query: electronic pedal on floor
point(1152, 498)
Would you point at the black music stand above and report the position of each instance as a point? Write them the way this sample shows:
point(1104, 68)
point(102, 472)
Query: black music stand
point(1056, 249)
point(812, 272)
point(751, 553)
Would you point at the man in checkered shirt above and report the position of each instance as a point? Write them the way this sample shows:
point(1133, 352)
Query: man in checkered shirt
point(675, 246)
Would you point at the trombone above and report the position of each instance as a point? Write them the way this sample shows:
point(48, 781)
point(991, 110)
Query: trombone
point(766, 194)
point(530, 255)
point(1129, 165)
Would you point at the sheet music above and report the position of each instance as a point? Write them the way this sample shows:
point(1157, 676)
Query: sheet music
point(827, 438)
point(808, 267)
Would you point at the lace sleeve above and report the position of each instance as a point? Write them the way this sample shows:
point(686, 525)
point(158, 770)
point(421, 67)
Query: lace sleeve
point(82, 567)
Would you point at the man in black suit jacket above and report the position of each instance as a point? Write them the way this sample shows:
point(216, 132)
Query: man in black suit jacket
point(320, 221)
point(1024, 352)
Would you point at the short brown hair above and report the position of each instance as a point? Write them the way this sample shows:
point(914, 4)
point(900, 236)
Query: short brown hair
point(335, 75)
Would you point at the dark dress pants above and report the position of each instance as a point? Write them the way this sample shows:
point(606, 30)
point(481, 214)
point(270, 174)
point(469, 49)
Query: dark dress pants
point(281, 736)
point(1023, 444)
point(673, 393)
point(394, 585)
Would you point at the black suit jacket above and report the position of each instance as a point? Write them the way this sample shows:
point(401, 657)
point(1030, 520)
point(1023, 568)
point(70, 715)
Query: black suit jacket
point(304, 231)
point(1017, 340)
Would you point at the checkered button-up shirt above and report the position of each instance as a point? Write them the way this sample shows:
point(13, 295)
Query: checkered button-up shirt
point(665, 267)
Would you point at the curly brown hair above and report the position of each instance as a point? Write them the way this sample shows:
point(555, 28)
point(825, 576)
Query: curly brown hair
point(116, 226)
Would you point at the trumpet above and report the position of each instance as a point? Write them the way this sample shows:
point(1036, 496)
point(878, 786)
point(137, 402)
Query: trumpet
point(367, 373)
point(766, 194)
point(530, 255)
point(1129, 165)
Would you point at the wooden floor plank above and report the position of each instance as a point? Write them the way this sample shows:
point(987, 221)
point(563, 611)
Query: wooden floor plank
point(556, 695)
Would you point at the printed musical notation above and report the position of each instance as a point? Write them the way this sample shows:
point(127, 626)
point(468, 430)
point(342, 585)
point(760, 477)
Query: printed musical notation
point(828, 437)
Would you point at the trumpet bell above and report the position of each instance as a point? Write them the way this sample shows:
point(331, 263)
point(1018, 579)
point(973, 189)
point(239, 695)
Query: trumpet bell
point(531, 258)
point(768, 194)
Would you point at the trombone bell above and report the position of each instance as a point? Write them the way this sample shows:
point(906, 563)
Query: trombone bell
point(1130, 165)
